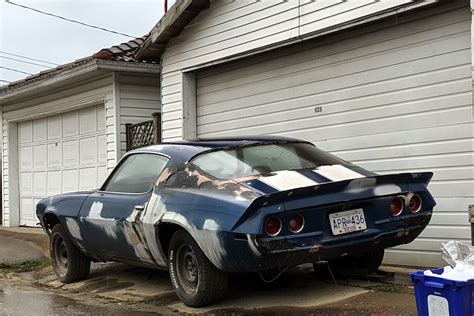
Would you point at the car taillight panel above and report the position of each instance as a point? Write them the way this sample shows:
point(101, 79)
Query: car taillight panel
point(296, 223)
point(396, 206)
point(415, 203)
point(272, 226)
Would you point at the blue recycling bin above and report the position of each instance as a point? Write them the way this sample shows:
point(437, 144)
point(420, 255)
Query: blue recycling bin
point(438, 296)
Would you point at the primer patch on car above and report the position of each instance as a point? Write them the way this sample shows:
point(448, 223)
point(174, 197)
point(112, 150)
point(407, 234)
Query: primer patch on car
point(96, 210)
point(287, 180)
point(338, 173)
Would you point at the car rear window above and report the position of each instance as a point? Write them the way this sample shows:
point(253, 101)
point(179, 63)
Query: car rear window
point(262, 159)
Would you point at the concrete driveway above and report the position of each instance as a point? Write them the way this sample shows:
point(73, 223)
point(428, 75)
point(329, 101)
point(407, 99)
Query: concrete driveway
point(298, 291)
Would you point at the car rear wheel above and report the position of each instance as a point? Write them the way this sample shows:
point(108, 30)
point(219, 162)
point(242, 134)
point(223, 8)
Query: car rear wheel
point(196, 280)
point(68, 262)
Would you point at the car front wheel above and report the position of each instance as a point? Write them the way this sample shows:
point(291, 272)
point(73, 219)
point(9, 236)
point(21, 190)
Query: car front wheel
point(196, 280)
point(68, 262)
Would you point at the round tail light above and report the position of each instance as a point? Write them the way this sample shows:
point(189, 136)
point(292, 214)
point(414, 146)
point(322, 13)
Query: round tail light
point(415, 203)
point(296, 223)
point(396, 206)
point(272, 226)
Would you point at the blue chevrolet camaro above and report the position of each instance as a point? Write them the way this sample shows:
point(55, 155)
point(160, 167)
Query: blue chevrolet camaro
point(206, 208)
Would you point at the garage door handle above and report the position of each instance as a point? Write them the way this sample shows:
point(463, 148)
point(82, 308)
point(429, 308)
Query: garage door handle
point(434, 284)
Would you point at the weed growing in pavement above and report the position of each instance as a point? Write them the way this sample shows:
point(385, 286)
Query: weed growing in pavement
point(32, 265)
point(387, 288)
point(26, 266)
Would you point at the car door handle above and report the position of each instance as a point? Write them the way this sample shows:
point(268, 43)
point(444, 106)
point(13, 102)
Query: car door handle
point(140, 207)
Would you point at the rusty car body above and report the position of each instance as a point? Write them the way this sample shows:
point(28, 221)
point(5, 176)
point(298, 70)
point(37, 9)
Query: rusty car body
point(299, 205)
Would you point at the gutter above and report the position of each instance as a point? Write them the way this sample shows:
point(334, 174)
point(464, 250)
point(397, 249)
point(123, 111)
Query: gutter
point(76, 74)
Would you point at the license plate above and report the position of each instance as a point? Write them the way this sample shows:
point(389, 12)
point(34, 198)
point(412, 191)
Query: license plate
point(347, 222)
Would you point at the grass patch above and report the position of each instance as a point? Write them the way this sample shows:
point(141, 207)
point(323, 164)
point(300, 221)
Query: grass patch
point(27, 266)
point(387, 288)
point(32, 265)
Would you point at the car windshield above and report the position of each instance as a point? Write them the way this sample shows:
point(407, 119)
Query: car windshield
point(261, 159)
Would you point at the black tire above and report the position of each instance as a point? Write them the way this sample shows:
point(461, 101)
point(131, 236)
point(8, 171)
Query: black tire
point(196, 280)
point(68, 262)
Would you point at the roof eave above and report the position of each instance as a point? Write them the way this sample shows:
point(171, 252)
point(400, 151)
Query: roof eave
point(87, 71)
point(169, 26)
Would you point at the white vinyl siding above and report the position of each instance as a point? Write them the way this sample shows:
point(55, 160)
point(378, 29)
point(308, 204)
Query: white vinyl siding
point(393, 100)
point(229, 28)
point(139, 99)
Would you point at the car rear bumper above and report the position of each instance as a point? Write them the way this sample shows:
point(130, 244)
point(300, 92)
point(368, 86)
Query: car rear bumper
point(253, 254)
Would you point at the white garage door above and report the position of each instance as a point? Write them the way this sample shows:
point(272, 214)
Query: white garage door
point(395, 100)
point(58, 154)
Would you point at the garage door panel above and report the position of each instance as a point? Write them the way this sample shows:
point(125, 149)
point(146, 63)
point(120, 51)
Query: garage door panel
point(87, 120)
point(408, 163)
point(55, 155)
point(383, 140)
point(39, 157)
point(88, 151)
point(87, 178)
point(70, 180)
point(391, 59)
point(25, 132)
point(306, 118)
point(27, 209)
point(53, 183)
point(101, 149)
point(101, 118)
point(70, 124)
point(412, 150)
point(308, 129)
point(39, 129)
point(26, 183)
point(101, 175)
point(71, 153)
point(356, 87)
point(26, 158)
point(39, 184)
point(54, 127)
point(437, 85)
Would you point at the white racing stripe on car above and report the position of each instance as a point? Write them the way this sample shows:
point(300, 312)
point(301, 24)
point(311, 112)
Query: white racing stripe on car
point(338, 173)
point(287, 180)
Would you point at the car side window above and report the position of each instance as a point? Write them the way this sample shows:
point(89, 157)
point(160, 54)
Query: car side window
point(136, 174)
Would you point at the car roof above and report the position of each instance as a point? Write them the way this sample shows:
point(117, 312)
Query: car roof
point(183, 150)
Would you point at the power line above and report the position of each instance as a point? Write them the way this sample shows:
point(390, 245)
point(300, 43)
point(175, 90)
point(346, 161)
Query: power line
point(16, 70)
point(69, 20)
point(24, 57)
point(24, 61)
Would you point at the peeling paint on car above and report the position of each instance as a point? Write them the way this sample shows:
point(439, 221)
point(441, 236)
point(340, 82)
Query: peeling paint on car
point(226, 216)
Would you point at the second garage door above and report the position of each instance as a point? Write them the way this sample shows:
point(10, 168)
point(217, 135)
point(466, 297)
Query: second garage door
point(394, 100)
point(58, 154)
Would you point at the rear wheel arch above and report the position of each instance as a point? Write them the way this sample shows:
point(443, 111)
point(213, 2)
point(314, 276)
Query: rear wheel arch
point(164, 232)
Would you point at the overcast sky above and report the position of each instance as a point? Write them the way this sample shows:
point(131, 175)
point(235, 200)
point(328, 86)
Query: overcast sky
point(34, 35)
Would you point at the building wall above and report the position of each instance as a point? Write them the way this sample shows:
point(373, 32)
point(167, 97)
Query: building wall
point(126, 98)
point(139, 98)
point(443, 143)
point(230, 28)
